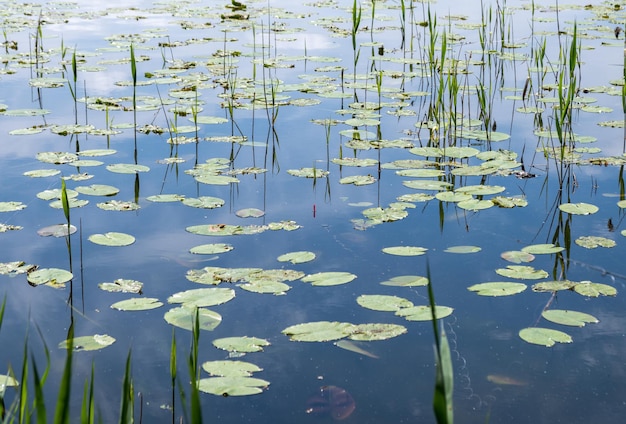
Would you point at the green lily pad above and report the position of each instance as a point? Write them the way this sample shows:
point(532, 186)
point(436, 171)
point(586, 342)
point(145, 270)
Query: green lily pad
point(183, 317)
point(57, 230)
point(578, 208)
point(211, 249)
point(95, 342)
point(320, 331)
point(522, 272)
point(406, 281)
point(15, 268)
point(590, 289)
point(230, 368)
point(202, 297)
point(475, 204)
point(544, 336)
point(73, 203)
point(405, 250)
point(591, 242)
point(165, 198)
point(376, 331)
point(480, 190)
point(497, 288)
point(98, 190)
point(232, 386)
point(250, 213)
point(56, 158)
point(517, 257)
point(127, 168)
point(329, 278)
point(358, 180)
point(355, 162)
point(542, 249)
point(241, 344)
point(451, 196)
point(463, 249)
point(566, 317)
point(55, 193)
point(551, 286)
point(122, 285)
point(205, 202)
point(509, 202)
point(427, 185)
point(308, 173)
point(112, 239)
point(423, 312)
point(266, 287)
point(51, 276)
point(11, 206)
point(41, 173)
point(137, 304)
point(297, 257)
point(6, 227)
point(421, 173)
point(118, 205)
point(379, 302)
point(215, 229)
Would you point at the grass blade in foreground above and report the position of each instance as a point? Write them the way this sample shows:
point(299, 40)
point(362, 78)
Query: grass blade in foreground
point(62, 411)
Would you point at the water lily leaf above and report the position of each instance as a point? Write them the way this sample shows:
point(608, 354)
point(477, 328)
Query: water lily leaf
point(509, 202)
point(165, 198)
point(112, 239)
point(205, 202)
point(433, 152)
point(578, 208)
point(475, 204)
point(54, 277)
point(385, 215)
point(118, 205)
point(183, 317)
point(241, 344)
point(11, 206)
point(211, 249)
point(369, 332)
point(427, 185)
point(379, 302)
point(266, 287)
point(122, 285)
point(587, 288)
point(98, 190)
point(522, 272)
point(329, 278)
point(41, 173)
point(95, 342)
point(423, 312)
point(72, 202)
point(250, 213)
point(480, 190)
point(56, 158)
point(55, 193)
point(551, 286)
point(230, 368)
point(416, 197)
point(5, 227)
point(297, 257)
point(202, 297)
point(566, 317)
point(421, 173)
point(497, 288)
point(7, 381)
point(208, 120)
point(591, 242)
point(542, 249)
point(406, 281)
point(308, 173)
point(405, 250)
point(451, 196)
point(319, 331)
point(358, 180)
point(137, 304)
point(16, 267)
point(517, 257)
point(127, 168)
point(232, 386)
point(463, 249)
point(97, 152)
point(215, 229)
point(544, 336)
point(215, 179)
point(57, 230)
point(26, 112)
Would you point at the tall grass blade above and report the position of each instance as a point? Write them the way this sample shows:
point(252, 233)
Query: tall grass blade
point(196, 410)
point(126, 408)
point(87, 412)
point(62, 410)
point(173, 374)
point(39, 404)
point(65, 203)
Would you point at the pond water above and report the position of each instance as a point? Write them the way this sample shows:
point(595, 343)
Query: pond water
point(230, 103)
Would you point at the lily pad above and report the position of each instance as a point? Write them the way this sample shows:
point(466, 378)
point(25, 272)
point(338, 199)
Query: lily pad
point(329, 278)
point(591, 242)
point(376, 331)
point(122, 285)
point(405, 250)
point(475, 204)
point(517, 257)
point(250, 213)
point(232, 386)
point(542, 249)
point(137, 304)
point(118, 205)
point(230, 368)
point(480, 190)
point(463, 249)
point(41, 173)
point(266, 287)
point(497, 288)
point(406, 281)
point(50, 276)
point(379, 302)
point(308, 173)
point(566, 317)
point(578, 208)
point(202, 297)
point(57, 230)
point(184, 316)
point(241, 344)
point(205, 202)
point(95, 342)
point(423, 312)
point(319, 331)
point(7, 381)
point(11, 206)
point(358, 180)
point(590, 289)
point(211, 249)
point(297, 257)
point(522, 272)
point(98, 190)
point(15, 268)
point(552, 286)
point(127, 168)
point(544, 336)
point(112, 239)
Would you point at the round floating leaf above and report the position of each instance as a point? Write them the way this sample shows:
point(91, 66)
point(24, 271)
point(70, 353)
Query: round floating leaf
point(55, 193)
point(184, 317)
point(202, 297)
point(11, 206)
point(215, 229)
point(551, 286)
point(297, 257)
point(266, 287)
point(165, 198)
point(368, 332)
point(118, 205)
point(421, 173)
point(50, 276)
point(329, 278)
point(122, 285)
point(405, 250)
point(423, 312)
point(355, 162)
point(497, 288)
point(208, 120)
point(112, 239)
point(591, 242)
point(451, 196)
point(127, 168)
point(544, 336)
point(241, 344)
point(539, 249)
point(213, 179)
point(578, 208)
point(475, 204)
point(463, 249)
point(58, 230)
point(97, 152)
point(379, 302)
point(320, 331)
point(232, 386)
point(211, 249)
point(566, 317)
point(308, 173)
point(56, 158)
point(517, 257)
point(95, 342)
point(587, 288)
point(427, 185)
point(98, 190)
point(137, 304)
point(230, 368)
point(522, 272)
point(250, 213)
point(406, 281)
point(358, 180)
point(73, 203)
point(40, 173)
point(480, 190)
point(16, 267)
point(206, 202)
